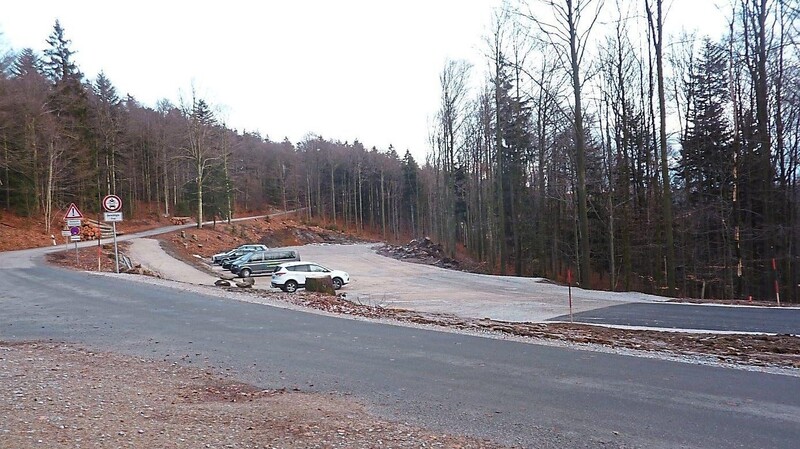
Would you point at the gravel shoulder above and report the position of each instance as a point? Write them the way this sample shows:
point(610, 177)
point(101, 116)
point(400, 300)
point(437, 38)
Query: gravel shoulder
point(55, 395)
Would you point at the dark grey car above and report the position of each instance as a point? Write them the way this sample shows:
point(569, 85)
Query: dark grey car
point(262, 262)
point(235, 253)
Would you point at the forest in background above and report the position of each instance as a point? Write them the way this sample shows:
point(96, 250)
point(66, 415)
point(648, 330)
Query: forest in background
point(637, 160)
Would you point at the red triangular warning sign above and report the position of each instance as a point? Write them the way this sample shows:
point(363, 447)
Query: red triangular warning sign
point(73, 212)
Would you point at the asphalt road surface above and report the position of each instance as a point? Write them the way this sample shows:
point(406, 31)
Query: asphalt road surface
point(511, 392)
point(694, 316)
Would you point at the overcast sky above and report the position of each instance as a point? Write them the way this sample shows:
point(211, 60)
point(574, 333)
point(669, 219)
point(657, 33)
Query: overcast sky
point(344, 69)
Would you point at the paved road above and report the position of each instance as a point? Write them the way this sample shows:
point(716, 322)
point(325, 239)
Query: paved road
point(516, 393)
point(694, 316)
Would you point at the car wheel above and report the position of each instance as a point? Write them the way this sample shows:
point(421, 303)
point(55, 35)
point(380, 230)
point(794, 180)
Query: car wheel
point(290, 286)
point(245, 272)
point(337, 283)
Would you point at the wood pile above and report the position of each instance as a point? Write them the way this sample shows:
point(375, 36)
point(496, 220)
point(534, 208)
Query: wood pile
point(94, 230)
point(180, 220)
point(104, 229)
point(89, 232)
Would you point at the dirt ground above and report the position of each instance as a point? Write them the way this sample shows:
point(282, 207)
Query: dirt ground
point(55, 395)
point(22, 233)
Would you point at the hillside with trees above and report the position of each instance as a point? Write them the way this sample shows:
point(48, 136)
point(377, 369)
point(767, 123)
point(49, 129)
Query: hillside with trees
point(635, 159)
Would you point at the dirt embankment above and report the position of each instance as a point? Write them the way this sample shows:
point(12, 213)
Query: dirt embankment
point(190, 243)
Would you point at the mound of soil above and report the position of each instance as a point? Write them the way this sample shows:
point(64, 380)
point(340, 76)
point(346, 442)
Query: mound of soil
point(204, 242)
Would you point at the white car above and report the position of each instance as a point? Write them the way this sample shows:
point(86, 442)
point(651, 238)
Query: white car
point(292, 275)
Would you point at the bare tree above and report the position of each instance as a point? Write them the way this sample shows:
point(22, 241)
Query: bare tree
point(451, 118)
point(657, 30)
point(201, 151)
point(568, 34)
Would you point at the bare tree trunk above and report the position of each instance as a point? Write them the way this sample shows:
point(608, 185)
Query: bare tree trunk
point(7, 183)
point(580, 143)
point(360, 199)
point(383, 208)
point(166, 184)
point(199, 184)
point(500, 169)
point(48, 206)
point(333, 193)
point(656, 27)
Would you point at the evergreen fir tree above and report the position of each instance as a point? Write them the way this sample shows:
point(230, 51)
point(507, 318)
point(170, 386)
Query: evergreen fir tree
point(706, 158)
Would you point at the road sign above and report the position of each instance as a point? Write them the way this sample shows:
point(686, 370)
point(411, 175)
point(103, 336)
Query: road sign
point(73, 222)
point(112, 216)
point(73, 212)
point(112, 203)
point(74, 230)
point(66, 233)
point(74, 238)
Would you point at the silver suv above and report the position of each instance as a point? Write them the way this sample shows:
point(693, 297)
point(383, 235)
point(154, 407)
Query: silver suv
point(262, 262)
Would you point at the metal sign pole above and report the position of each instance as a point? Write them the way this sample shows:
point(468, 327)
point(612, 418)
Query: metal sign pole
point(77, 261)
point(116, 251)
point(99, 247)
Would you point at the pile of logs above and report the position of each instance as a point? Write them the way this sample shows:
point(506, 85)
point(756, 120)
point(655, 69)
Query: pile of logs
point(180, 220)
point(94, 230)
point(89, 232)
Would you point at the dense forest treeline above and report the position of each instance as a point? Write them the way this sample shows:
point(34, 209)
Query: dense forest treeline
point(638, 160)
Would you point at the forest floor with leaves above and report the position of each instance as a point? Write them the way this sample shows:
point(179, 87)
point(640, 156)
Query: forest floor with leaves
point(60, 395)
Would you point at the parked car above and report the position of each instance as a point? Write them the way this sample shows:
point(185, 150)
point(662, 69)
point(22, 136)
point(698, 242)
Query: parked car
point(292, 275)
point(236, 252)
point(261, 262)
point(228, 263)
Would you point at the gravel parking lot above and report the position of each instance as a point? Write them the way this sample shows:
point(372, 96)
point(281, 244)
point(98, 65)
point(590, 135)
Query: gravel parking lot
point(382, 281)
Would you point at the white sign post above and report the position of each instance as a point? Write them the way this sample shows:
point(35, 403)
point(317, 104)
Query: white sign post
point(66, 233)
point(73, 218)
point(113, 205)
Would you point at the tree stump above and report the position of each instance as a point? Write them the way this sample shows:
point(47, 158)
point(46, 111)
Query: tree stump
point(321, 285)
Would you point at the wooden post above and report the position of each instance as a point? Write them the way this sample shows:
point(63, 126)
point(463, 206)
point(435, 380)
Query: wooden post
point(569, 284)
